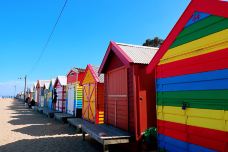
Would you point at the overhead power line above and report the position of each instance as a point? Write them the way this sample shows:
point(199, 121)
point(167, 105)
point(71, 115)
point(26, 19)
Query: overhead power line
point(49, 38)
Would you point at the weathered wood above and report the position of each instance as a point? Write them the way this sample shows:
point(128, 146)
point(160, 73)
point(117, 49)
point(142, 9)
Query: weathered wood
point(83, 135)
point(105, 134)
point(49, 112)
point(62, 116)
point(115, 141)
point(105, 148)
point(76, 122)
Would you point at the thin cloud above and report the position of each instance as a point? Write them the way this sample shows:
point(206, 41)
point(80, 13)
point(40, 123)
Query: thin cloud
point(10, 88)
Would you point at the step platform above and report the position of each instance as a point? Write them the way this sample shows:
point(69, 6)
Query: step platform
point(62, 116)
point(49, 112)
point(76, 122)
point(105, 134)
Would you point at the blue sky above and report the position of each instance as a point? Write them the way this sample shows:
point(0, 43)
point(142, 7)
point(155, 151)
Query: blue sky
point(81, 37)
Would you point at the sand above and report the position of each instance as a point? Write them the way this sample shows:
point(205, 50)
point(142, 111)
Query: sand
point(24, 130)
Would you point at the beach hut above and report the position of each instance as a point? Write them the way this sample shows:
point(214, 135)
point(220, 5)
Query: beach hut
point(46, 90)
point(192, 80)
point(129, 102)
point(74, 91)
point(51, 94)
point(31, 92)
point(40, 92)
point(93, 95)
point(60, 86)
point(35, 92)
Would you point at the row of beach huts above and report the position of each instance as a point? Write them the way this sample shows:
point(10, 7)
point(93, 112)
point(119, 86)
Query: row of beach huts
point(180, 88)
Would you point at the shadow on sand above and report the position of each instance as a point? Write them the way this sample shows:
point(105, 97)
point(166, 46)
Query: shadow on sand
point(39, 126)
point(57, 144)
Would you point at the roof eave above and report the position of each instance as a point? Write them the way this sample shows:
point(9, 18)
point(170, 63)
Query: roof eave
point(95, 77)
point(119, 52)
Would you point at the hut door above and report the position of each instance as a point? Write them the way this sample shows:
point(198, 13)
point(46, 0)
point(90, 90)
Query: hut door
point(60, 105)
point(70, 102)
point(117, 104)
point(59, 98)
point(41, 97)
point(89, 92)
point(142, 111)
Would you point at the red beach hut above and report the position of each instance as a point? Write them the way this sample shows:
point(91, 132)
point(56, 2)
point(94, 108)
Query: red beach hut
point(129, 100)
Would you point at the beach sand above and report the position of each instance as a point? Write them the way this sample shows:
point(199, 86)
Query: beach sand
point(23, 130)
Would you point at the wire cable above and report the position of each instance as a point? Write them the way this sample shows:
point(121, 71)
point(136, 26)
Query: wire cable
point(49, 38)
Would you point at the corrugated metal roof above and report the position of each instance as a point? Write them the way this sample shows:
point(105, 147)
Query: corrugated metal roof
point(77, 70)
point(62, 80)
point(138, 54)
point(96, 69)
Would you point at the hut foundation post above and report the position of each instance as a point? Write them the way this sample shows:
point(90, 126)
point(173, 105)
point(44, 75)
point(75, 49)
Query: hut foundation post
point(83, 135)
point(105, 148)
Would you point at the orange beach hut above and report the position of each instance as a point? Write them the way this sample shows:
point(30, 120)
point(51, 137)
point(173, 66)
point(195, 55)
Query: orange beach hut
point(93, 95)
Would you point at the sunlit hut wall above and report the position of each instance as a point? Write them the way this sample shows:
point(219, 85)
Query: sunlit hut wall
point(93, 95)
point(74, 91)
point(35, 92)
point(27, 93)
point(129, 99)
point(51, 94)
point(192, 80)
point(31, 92)
point(40, 93)
point(46, 88)
point(60, 85)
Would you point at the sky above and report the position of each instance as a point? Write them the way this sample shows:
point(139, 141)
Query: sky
point(81, 37)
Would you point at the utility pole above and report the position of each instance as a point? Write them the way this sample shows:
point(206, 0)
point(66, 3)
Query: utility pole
point(25, 78)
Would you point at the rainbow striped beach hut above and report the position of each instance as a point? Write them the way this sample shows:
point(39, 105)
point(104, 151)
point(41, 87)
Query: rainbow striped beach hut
point(192, 80)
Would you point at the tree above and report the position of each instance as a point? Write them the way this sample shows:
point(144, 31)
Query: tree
point(156, 42)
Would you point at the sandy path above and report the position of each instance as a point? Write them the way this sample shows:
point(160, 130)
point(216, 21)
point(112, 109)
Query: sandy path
point(24, 130)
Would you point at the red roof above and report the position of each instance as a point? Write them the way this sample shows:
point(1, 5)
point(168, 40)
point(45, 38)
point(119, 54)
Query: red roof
point(214, 7)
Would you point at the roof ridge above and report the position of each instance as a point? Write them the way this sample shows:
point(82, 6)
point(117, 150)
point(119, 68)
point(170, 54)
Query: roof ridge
point(97, 66)
point(139, 46)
